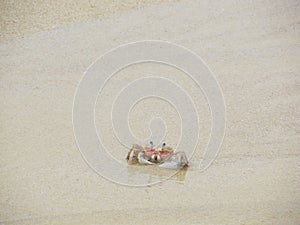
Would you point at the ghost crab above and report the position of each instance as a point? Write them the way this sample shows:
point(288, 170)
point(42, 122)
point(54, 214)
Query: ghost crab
point(164, 156)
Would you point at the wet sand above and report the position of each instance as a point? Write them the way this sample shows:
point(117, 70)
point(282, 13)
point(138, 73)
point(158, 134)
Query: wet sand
point(254, 51)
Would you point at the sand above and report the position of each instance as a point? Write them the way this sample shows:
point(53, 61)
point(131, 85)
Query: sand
point(252, 48)
point(26, 17)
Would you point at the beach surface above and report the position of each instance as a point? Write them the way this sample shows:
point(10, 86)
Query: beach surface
point(252, 48)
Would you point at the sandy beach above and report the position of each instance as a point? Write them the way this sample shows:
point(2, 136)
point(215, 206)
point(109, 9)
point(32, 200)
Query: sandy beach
point(253, 49)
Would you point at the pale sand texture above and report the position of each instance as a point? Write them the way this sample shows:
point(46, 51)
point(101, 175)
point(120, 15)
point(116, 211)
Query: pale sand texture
point(19, 18)
point(254, 50)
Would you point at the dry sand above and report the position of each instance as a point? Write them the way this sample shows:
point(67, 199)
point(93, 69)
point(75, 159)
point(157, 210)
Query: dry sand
point(254, 50)
point(19, 18)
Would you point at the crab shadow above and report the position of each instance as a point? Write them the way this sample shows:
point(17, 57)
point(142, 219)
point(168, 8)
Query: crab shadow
point(157, 174)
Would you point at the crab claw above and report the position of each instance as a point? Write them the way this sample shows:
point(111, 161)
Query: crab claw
point(142, 160)
point(177, 161)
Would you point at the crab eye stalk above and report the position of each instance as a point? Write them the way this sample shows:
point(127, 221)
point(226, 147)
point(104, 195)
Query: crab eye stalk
point(151, 144)
point(163, 146)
